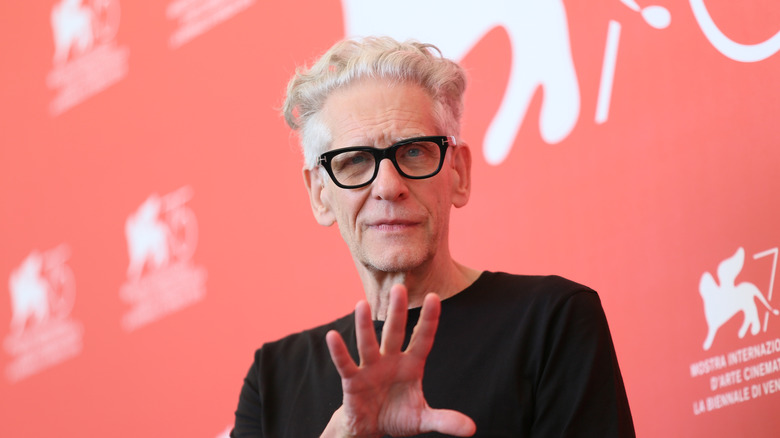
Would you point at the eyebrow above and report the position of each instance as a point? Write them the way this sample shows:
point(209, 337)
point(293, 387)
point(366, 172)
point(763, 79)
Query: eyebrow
point(367, 143)
point(396, 140)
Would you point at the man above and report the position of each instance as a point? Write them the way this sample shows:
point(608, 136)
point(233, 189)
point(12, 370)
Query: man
point(436, 347)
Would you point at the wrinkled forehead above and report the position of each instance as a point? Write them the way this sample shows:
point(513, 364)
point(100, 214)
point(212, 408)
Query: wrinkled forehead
point(377, 112)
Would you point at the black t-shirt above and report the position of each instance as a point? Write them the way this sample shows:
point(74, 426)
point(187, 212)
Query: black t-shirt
point(523, 356)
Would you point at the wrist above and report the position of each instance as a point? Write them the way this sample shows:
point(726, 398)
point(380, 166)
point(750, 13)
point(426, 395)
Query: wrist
point(339, 427)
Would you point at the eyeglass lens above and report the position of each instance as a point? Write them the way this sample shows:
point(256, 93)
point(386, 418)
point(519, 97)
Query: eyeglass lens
point(418, 159)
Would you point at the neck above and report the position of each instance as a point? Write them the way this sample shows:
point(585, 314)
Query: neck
point(445, 280)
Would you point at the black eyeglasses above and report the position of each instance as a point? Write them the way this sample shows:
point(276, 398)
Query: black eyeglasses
point(414, 158)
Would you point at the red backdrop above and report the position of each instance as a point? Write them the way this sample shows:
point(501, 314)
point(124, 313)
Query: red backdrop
point(154, 228)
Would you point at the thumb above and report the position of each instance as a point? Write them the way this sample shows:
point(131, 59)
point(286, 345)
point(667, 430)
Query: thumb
point(447, 422)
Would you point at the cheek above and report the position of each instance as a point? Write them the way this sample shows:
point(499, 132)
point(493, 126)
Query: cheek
point(344, 204)
point(435, 207)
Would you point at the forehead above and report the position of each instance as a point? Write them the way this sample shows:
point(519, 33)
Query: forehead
point(378, 112)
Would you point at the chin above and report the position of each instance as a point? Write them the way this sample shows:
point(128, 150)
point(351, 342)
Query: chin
point(402, 261)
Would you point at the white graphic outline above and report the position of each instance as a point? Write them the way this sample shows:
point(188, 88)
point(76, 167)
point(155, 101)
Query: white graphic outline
point(608, 72)
point(727, 46)
point(551, 65)
point(541, 55)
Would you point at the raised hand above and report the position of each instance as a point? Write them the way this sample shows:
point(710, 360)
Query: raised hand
point(383, 395)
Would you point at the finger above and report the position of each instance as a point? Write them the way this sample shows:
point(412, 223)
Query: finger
point(368, 348)
point(394, 330)
point(447, 422)
point(340, 355)
point(425, 330)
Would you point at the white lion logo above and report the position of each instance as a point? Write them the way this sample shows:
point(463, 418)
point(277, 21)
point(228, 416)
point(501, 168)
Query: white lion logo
point(722, 302)
point(42, 288)
point(147, 238)
point(161, 231)
point(72, 25)
point(79, 27)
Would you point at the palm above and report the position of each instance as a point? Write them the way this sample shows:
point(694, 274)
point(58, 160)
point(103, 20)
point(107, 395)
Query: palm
point(383, 395)
point(388, 395)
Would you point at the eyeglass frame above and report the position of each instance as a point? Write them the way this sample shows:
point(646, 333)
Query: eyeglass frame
point(443, 141)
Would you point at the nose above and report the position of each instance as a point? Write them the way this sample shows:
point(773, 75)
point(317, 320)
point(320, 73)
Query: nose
point(389, 185)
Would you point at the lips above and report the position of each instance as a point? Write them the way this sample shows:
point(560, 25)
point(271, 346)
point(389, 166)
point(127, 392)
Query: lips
point(392, 224)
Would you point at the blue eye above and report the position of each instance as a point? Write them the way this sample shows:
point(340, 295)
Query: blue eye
point(418, 150)
point(357, 159)
point(414, 152)
point(353, 161)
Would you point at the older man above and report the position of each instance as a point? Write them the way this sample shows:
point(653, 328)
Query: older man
point(436, 347)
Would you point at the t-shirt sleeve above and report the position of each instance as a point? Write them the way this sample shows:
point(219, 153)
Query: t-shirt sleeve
point(580, 392)
point(248, 422)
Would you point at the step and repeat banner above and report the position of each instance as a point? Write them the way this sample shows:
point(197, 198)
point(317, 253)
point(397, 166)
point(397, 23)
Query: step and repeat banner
point(155, 230)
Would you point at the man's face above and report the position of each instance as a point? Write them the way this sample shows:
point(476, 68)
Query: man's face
point(394, 224)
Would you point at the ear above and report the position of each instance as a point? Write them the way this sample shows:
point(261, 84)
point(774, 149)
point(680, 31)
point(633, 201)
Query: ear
point(319, 205)
point(461, 174)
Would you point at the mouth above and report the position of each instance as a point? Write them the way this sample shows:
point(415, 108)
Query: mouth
point(392, 225)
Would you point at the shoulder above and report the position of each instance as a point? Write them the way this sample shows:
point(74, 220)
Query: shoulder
point(550, 314)
point(528, 302)
point(534, 282)
point(536, 290)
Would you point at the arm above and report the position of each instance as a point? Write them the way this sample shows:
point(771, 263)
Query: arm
point(247, 423)
point(383, 394)
point(580, 392)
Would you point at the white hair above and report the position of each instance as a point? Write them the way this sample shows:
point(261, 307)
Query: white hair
point(376, 57)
